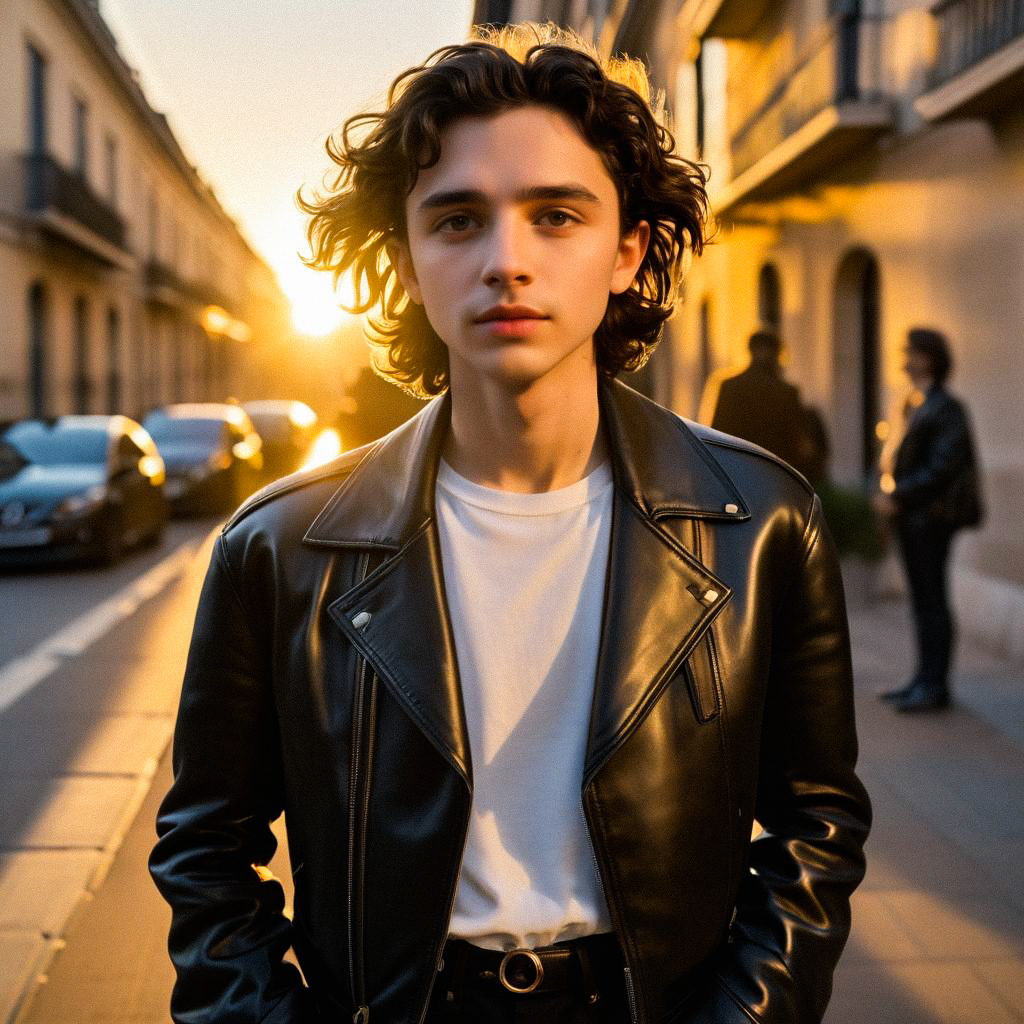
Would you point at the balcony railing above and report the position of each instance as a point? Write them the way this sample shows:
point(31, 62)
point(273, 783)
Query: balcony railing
point(49, 187)
point(825, 75)
point(971, 30)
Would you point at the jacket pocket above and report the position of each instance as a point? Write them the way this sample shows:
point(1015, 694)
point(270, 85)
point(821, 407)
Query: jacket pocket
point(702, 679)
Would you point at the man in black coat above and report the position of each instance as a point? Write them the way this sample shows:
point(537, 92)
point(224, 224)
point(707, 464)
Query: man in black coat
point(931, 492)
point(759, 405)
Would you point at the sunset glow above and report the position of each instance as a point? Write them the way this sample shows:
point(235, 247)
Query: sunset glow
point(316, 306)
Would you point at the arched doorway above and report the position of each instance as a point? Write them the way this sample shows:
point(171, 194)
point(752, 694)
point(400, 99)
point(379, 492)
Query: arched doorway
point(38, 342)
point(769, 298)
point(855, 367)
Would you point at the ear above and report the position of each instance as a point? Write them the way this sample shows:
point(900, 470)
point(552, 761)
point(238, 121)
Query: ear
point(632, 249)
point(401, 259)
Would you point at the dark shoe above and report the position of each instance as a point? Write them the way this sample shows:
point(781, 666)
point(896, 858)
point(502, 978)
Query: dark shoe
point(899, 693)
point(922, 698)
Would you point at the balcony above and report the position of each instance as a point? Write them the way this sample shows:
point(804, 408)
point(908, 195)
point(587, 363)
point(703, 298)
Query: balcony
point(979, 64)
point(823, 109)
point(64, 206)
point(721, 19)
point(164, 288)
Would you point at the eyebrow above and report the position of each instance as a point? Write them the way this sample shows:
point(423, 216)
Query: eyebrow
point(474, 197)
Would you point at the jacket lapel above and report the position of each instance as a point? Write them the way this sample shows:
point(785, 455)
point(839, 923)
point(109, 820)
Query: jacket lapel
point(658, 602)
point(659, 598)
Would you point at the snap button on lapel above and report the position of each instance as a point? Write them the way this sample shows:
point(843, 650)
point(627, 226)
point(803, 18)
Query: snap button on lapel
point(710, 596)
point(732, 509)
point(360, 620)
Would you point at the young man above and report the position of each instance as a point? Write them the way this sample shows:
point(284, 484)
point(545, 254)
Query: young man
point(930, 492)
point(522, 674)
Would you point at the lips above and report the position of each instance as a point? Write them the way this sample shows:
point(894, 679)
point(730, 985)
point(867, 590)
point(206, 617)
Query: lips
point(513, 313)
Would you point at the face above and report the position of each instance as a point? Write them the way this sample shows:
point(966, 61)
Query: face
point(515, 246)
point(917, 366)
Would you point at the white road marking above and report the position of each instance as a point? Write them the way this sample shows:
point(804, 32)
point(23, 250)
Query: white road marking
point(17, 677)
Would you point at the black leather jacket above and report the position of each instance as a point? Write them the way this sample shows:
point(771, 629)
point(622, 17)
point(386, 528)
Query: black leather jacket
point(322, 682)
point(935, 470)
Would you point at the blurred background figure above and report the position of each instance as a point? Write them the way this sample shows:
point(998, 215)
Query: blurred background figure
point(759, 405)
point(930, 490)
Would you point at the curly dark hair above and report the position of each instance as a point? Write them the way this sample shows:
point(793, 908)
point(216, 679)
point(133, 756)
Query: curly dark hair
point(363, 209)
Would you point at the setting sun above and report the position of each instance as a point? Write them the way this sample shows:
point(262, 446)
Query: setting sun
point(316, 306)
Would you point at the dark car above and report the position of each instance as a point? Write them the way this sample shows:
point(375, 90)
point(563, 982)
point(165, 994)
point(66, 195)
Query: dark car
point(288, 430)
point(78, 486)
point(212, 453)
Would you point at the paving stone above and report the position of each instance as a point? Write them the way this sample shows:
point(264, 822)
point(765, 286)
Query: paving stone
point(40, 888)
point(75, 813)
point(878, 934)
point(966, 928)
point(112, 745)
point(916, 993)
point(1006, 979)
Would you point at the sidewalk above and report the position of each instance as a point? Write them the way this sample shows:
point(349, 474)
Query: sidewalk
point(938, 934)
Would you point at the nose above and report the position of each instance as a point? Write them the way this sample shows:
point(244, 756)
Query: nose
point(506, 260)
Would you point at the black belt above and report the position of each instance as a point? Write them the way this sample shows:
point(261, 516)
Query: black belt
point(577, 963)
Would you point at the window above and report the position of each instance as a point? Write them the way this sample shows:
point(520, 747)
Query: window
point(110, 146)
point(80, 118)
point(37, 343)
point(769, 298)
point(81, 355)
point(37, 101)
point(154, 228)
point(113, 360)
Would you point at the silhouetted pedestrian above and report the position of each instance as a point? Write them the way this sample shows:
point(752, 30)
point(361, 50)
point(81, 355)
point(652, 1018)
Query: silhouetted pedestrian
point(931, 491)
point(759, 405)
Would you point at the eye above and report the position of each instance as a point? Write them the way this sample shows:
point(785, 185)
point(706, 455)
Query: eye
point(558, 219)
point(456, 223)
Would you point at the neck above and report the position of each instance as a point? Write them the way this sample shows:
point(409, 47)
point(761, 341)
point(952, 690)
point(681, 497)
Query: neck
point(541, 437)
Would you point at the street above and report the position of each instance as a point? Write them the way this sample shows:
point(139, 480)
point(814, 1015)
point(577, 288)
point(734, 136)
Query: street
point(937, 938)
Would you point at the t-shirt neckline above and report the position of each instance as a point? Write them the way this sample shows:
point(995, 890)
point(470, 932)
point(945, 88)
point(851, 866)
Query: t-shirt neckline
point(590, 488)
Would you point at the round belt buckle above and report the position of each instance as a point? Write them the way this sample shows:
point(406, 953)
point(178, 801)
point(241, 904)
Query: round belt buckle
point(538, 970)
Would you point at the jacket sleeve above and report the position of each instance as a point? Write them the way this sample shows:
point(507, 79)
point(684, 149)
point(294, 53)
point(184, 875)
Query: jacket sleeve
point(228, 934)
point(947, 454)
point(793, 908)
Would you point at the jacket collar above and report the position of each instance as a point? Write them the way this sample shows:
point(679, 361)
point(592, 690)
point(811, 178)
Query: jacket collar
point(659, 597)
point(658, 463)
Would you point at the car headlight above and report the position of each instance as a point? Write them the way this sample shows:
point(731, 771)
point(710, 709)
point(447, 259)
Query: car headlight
point(81, 504)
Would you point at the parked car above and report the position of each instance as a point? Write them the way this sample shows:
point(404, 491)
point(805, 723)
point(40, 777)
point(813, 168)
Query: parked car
point(78, 486)
point(288, 430)
point(212, 452)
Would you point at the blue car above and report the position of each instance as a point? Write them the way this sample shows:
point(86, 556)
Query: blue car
point(78, 487)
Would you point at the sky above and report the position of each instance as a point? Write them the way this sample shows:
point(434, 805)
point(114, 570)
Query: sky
point(252, 89)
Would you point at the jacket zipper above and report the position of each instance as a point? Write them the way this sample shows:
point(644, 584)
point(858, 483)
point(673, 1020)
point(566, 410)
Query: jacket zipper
point(627, 970)
point(357, 813)
point(447, 924)
point(631, 994)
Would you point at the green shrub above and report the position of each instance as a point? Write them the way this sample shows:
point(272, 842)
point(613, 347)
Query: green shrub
point(852, 522)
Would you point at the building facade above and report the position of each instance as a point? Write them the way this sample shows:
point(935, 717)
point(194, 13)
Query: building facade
point(867, 176)
point(123, 282)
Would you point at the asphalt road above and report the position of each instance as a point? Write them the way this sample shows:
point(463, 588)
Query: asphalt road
point(36, 602)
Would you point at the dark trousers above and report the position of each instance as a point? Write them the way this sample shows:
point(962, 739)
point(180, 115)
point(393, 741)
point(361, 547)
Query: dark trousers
point(925, 549)
point(596, 994)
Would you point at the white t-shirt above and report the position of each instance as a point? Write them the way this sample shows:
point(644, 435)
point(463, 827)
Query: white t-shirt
point(524, 578)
